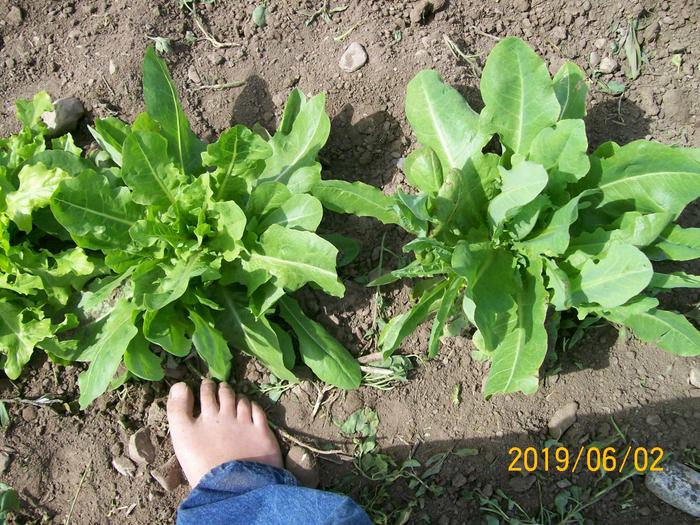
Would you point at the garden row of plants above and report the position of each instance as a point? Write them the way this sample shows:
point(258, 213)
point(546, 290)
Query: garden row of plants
point(155, 244)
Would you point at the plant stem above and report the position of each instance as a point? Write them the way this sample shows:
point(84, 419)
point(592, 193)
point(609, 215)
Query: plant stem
point(77, 492)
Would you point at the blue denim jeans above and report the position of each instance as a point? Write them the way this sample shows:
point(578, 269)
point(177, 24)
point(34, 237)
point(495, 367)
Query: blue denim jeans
point(247, 493)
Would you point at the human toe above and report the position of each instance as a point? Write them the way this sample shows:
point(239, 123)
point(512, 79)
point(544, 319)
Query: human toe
point(180, 404)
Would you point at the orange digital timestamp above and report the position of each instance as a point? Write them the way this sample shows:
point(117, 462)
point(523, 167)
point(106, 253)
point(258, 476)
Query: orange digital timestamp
point(608, 459)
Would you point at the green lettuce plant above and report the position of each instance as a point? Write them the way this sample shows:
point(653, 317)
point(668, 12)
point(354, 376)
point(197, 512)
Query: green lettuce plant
point(198, 244)
point(515, 223)
point(37, 278)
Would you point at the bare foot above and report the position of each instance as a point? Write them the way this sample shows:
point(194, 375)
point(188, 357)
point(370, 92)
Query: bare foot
point(228, 428)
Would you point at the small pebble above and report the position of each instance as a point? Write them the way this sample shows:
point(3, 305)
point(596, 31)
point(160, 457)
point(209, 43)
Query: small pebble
point(694, 377)
point(353, 58)
point(607, 65)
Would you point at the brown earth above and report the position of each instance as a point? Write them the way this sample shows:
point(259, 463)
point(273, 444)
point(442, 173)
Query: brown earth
point(93, 50)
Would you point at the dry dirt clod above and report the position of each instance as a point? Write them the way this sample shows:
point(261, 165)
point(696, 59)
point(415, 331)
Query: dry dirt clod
point(5, 460)
point(459, 480)
point(674, 106)
point(424, 8)
point(124, 466)
point(607, 65)
point(678, 486)
point(141, 449)
point(302, 464)
point(193, 75)
point(353, 58)
point(647, 103)
point(694, 377)
point(29, 414)
point(14, 16)
point(64, 117)
point(169, 475)
point(600, 43)
point(562, 419)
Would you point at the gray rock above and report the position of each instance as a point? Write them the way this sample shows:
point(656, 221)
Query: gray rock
point(302, 464)
point(675, 105)
point(141, 449)
point(594, 59)
point(562, 419)
point(607, 65)
point(124, 466)
point(169, 475)
point(5, 460)
point(677, 485)
point(694, 377)
point(14, 16)
point(353, 58)
point(64, 117)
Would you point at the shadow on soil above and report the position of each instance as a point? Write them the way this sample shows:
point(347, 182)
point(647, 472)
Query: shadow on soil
point(484, 470)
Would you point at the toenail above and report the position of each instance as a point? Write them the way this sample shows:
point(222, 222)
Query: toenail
point(178, 390)
point(206, 380)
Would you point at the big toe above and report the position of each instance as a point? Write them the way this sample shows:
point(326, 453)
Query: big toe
point(180, 404)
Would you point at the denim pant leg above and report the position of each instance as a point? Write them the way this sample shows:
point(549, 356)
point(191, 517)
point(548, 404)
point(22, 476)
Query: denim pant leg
point(247, 493)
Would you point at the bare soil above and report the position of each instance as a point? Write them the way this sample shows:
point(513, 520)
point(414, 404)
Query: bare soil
point(93, 50)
